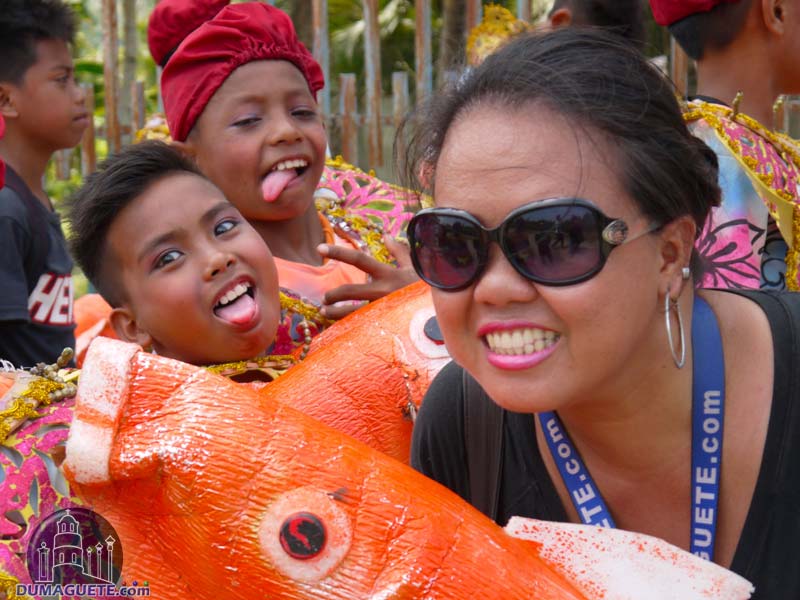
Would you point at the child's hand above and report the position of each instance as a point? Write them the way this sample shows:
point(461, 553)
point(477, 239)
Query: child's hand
point(384, 278)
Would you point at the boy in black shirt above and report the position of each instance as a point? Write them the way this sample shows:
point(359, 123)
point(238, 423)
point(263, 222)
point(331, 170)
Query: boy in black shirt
point(44, 111)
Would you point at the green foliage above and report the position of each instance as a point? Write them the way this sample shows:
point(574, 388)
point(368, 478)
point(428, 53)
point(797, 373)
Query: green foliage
point(346, 25)
point(396, 22)
point(80, 285)
point(61, 189)
point(88, 52)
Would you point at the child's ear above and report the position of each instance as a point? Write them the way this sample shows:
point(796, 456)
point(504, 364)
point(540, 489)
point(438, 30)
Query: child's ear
point(186, 148)
point(127, 329)
point(7, 106)
point(774, 14)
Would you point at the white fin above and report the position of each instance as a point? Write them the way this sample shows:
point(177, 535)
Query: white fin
point(613, 564)
point(102, 390)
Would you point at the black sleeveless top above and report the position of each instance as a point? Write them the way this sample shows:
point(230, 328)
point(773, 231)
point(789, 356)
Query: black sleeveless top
point(767, 553)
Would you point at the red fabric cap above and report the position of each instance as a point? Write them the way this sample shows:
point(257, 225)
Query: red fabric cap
point(239, 34)
point(667, 12)
point(173, 20)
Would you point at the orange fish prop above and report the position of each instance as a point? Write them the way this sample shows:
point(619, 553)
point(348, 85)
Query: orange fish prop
point(366, 374)
point(219, 492)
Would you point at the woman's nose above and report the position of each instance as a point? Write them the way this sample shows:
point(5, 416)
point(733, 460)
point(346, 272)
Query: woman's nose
point(500, 283)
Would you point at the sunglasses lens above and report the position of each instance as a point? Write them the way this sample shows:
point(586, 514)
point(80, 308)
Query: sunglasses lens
point(557, 245)
point(446, 249)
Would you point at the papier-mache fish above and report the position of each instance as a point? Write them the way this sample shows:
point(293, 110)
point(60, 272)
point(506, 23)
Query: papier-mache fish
point(211, 485)
point(218, 491)
point(367, 374)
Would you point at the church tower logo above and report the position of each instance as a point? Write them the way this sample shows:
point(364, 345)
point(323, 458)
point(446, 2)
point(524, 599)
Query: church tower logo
point(75, 546)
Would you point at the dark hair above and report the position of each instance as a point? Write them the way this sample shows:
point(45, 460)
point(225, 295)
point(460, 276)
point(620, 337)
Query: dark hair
point(118, 181)
point(601, 84)
point(622, 17)
point(23, 23)
point(714, 29)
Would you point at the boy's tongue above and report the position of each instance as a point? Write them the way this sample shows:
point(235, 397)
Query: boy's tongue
point(275, 182)
point(238, 312)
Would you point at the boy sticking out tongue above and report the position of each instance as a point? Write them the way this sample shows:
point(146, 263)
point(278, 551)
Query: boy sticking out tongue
point(185, 273)
point(240, 99)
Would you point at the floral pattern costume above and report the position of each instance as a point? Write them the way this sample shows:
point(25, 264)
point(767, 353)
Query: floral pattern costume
point(750, 239)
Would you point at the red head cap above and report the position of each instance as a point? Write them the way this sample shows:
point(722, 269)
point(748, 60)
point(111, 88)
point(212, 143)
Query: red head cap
point(667, 12)
point(239, 34)
point(172, 20)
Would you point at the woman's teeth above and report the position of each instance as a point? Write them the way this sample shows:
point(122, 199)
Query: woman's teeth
point(520, 341)
point(234, 294)
point(297, 163)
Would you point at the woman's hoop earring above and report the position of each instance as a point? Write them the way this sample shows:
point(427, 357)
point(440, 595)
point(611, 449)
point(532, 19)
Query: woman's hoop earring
point(668, 304)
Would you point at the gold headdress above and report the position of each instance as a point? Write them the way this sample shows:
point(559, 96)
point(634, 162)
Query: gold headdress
point(498, 26)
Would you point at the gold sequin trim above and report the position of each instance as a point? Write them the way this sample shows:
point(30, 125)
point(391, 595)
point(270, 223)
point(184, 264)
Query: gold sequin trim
point(39, 392)
point(363, 233)
point(274, 366)
point(304, 309)
point(791, 265)
point(8, 585)
point(18, 411)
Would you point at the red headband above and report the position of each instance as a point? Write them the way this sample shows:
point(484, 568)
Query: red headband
point(667, 12)
point(172, 20)
point(239, 34)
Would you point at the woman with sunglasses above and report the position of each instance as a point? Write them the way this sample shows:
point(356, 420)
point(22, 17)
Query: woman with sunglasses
point(591, 381)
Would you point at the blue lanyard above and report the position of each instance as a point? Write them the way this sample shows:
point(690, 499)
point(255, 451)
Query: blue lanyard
point(708, 392)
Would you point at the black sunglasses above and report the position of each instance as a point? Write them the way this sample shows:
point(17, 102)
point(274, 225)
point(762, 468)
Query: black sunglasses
point(552, 242)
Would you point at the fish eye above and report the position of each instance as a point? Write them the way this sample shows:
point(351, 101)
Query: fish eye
point(305, 534)
point(425, 334)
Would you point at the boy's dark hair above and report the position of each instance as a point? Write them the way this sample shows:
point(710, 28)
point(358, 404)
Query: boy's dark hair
point(23, 23)
point(623, 17)
point(713, 29)
point(118, 181)
point(599, 84)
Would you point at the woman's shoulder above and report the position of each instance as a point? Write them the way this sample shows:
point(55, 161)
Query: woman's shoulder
point(781, 307)
point(772, 528)
point(781, 312)
point(761, 336)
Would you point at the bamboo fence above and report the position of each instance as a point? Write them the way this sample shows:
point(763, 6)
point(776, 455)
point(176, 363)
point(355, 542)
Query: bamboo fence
point(358, 131)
